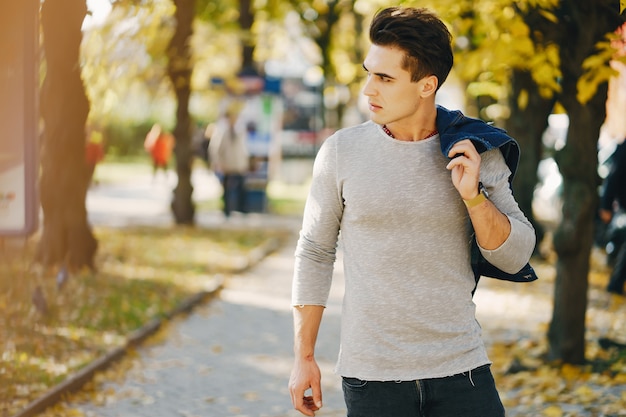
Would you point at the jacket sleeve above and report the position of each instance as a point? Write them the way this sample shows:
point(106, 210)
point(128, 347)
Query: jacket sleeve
point(517, 249)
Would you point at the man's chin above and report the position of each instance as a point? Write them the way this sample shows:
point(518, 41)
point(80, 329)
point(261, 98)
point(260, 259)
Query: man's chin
point(376, 118)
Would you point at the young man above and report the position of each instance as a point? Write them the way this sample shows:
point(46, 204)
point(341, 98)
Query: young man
point(408, 192)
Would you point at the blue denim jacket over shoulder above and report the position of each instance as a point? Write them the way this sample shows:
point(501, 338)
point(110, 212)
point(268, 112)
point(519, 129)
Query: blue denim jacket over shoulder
point(453, 127)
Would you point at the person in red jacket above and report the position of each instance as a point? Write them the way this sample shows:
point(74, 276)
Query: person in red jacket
point(160, 145)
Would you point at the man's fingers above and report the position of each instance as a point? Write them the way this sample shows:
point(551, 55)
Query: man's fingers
point(316, 391)
point(305, 387)
point(304, 404)
point(309, 402)
point(296, 400)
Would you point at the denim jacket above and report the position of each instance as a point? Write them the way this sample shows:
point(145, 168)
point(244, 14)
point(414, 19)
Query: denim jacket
point(453, 127)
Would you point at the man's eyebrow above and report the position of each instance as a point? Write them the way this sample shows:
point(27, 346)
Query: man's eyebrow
point(380, 74)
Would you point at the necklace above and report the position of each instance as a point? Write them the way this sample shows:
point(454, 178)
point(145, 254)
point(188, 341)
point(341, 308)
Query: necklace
point(388, 132)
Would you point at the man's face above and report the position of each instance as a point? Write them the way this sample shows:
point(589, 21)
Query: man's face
point(392, 97)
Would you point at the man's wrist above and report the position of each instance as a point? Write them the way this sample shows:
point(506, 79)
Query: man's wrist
point(475, 201)
point(481, 197)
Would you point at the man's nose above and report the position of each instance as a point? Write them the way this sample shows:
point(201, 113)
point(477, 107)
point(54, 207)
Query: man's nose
point(368, 89)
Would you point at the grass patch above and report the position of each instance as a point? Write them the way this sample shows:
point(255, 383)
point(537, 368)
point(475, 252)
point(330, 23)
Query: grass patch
point(142, 273)
point(286, 207)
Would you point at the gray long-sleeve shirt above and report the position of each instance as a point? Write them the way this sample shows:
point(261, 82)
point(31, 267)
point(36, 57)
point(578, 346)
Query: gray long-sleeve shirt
point(405, 233)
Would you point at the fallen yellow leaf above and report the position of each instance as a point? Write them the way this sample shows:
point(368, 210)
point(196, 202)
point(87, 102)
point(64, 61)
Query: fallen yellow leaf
point(585, 394)
point(553, 411)
point(570, 372)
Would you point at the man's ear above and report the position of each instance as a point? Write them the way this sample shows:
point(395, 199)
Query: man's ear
point(429, 86)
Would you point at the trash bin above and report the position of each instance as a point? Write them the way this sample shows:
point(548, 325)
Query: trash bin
point(256, 195)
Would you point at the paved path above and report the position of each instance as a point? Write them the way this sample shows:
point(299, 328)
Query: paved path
point(231, 356)
point(140, 199)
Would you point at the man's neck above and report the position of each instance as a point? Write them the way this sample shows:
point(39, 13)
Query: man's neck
point(420, 127)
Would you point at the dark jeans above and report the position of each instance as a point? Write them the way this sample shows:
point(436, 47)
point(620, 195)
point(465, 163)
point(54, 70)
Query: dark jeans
point(234, 197)
point(470, 394)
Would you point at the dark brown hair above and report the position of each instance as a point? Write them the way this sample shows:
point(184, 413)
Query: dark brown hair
point(423, 37)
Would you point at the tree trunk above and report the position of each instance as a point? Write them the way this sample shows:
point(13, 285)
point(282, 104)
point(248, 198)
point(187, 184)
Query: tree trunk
point(527, 124)
point(246, 19)
point(325, 28)
point(67, 237)
point(179, 70)
point(582, 25)
point(573, 238)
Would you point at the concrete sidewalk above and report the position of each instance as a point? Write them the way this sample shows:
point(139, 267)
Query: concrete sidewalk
point(229, 357)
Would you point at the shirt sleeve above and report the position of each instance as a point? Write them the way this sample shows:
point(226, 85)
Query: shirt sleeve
point(316, 249)
point(517, 249)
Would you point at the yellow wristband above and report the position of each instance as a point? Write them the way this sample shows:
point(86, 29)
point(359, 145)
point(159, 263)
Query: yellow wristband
point(475, 201)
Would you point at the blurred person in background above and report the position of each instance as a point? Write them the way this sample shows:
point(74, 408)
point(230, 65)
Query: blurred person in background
point(228, 153)
point(160, 145)
point(612, 212)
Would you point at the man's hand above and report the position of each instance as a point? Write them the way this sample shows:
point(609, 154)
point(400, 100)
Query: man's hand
point(306, 374)
point(465, 168)
point(492, 227)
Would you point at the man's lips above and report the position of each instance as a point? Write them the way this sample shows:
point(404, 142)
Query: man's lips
point(374, 107)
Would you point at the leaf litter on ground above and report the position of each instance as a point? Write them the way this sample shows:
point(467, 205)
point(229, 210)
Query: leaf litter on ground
point(52, 327)
point(529, 384)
